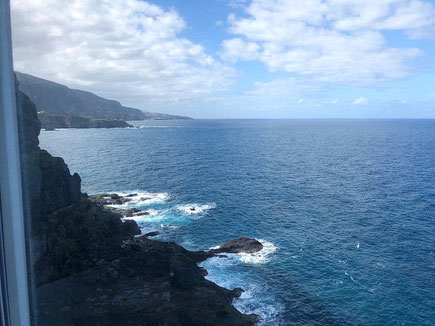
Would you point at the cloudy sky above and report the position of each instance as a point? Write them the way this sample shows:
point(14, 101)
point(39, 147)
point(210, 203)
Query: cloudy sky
point(237, 58)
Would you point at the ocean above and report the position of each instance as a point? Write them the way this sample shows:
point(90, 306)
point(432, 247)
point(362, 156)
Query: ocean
point(345, 208)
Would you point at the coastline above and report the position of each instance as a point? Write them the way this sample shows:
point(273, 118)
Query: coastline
point(140, 282)
point(89, 267)
point(163, 212)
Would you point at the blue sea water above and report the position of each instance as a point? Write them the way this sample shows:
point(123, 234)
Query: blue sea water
point(345, 208)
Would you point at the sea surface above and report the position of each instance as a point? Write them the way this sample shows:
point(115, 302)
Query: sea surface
point(345, 208)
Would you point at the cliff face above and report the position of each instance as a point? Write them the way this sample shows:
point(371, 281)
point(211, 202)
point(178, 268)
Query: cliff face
point(54, 97)
point(47, 182)
point(88, 269)
point(57, 98)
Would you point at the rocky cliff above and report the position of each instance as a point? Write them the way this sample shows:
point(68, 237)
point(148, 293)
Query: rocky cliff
point(57, 98)
point(89, 269)
point(47, 182)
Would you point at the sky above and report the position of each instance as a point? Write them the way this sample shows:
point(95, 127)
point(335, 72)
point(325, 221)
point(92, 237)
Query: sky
point(237, 58)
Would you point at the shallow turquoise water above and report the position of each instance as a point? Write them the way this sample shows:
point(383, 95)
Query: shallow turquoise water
point(346, 208)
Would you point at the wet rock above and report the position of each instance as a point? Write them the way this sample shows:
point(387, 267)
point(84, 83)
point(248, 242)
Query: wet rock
point(199, 256)
point(152, 234)
point(253, 319)
point(126, 212)
point(142, 213)
point(236, 293)
point(203, 271)
point(130, 228)
point(241, 245)
point(109, 199)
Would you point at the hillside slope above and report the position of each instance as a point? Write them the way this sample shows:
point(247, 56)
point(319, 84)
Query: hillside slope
point(51, 120)
point(53, 97)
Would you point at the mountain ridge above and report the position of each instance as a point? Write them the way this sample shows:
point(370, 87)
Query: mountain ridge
point(54, 97)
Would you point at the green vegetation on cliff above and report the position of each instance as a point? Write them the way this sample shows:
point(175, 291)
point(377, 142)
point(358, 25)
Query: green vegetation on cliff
point(53, 97)
point(51, 121)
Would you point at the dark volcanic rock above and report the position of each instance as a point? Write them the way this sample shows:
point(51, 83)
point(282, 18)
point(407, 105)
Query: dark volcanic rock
point(152, 234)
point(130, 228)
point(77, 236)
point(241, 245)
point(58, 187)
point(126, 212)
point(110, 199)
point(142, 213)
point(236, 293)
point(47, 182)
point(89, 270)
point(156, 283)
point(252, 319)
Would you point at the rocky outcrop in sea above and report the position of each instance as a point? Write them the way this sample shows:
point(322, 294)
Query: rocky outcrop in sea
point(91, 268)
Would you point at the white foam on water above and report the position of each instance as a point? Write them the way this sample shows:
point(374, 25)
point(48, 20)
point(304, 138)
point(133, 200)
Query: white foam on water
point(261, 257)
point(194, 209)
point(215, 247)
point(136, 217)
point(141, 198)
point(168, 226)
point(256, 299)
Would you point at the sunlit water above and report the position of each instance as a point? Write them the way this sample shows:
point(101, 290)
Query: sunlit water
point(345, 208)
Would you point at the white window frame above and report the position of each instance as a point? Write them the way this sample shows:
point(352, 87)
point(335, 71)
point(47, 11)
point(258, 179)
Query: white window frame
point(15, 302)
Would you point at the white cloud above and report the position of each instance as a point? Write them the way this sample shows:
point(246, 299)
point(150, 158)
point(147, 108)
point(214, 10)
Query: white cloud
point(237, 49)
point(360, 101)
point(331, 40)
point(284, 88)
point(415, 17)
point(128, 50)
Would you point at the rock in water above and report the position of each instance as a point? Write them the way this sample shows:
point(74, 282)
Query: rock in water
point(238, 246)
point(88, 267)
point(110, 199)
point(152, 234)
point(130, 228)
point(236, 293)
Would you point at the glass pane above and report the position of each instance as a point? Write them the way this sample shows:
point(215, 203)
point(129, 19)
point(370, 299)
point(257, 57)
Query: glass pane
point(227, 162)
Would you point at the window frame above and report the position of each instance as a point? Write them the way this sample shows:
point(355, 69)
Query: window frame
point(14, 296)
